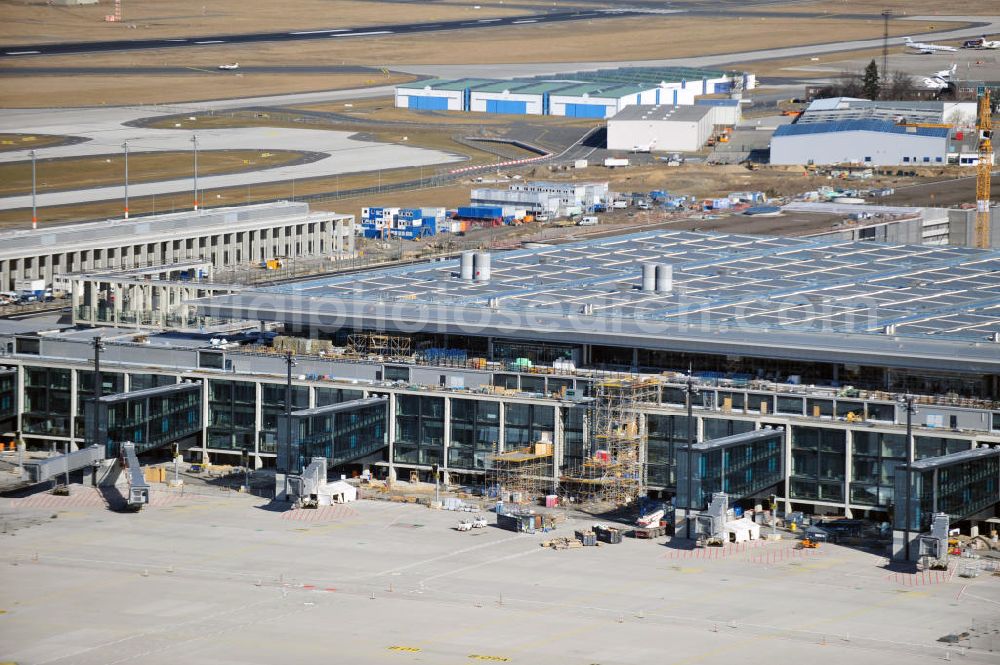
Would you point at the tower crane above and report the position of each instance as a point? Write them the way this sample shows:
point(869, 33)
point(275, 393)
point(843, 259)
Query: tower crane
point(984, 170)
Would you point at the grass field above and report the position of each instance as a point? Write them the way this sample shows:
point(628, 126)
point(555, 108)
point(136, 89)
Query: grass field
point(38, 22)
point(898, 7)
point(100, 170)
point(9, 142)
point(200, 84)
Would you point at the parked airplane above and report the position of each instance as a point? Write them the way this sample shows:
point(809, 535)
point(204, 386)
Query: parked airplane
point(921, 47)
point(644, 148)
point(234, 65)
point(981, 43)
point(939, 80)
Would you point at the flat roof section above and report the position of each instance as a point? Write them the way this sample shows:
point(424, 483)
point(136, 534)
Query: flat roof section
point(662, 113)
point(339, 407)
point(903, 304)
point(738, 439)
point(446, 84)
point(943, 461)
point(157, 391)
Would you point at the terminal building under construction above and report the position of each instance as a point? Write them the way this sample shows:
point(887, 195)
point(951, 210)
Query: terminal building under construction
point(581, 369)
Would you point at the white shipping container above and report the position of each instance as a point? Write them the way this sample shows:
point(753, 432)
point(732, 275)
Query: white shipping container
point(612, 162)
point(580, 164)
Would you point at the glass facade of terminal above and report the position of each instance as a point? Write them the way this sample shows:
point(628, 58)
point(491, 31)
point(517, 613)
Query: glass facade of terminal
point(574, 421)
point(419, 429)
point(874, 460)
point(664, 435)
point(818, 464)
point(525, 424)
point(144, 381)
point(8, 401)
point(843, 451)
point(47, 401)
point(112, 383)
point(232, 414)
point(272, 405)
point(475, 431)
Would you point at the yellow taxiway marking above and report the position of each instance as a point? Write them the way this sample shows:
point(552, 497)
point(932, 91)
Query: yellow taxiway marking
point(495, 659)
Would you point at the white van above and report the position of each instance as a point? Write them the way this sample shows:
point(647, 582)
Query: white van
point(587, 220)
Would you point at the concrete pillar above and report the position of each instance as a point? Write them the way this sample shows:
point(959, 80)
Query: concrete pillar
point(75, 295)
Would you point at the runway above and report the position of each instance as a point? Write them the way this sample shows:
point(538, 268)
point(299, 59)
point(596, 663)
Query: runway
point(68, 48)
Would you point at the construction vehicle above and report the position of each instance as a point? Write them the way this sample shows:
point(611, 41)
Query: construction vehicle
point(808, 544)
point(984, 169)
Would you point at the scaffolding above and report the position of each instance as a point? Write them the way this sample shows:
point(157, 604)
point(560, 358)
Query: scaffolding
point(615, 470)
point(522, 476)
point(369, 342)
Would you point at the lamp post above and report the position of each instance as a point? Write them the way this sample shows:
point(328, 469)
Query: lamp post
point(95, 429)
point(125, 147)
point(689, 392)
point(289, 364)
point(908, 504)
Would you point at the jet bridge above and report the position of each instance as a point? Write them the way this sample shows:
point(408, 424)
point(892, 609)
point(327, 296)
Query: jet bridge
point(327, 435)
point(151, 419)
point(961, 485)
point(339, 432)
point(43, 470)
point(138, 488)
point(741, 466)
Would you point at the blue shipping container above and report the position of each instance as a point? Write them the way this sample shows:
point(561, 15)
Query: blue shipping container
point(480, 212)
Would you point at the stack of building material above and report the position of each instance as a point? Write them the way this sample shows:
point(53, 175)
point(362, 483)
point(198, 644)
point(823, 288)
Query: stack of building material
point(562, 543)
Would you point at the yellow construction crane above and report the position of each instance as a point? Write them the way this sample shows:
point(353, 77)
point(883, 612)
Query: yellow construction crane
point(984, 170)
